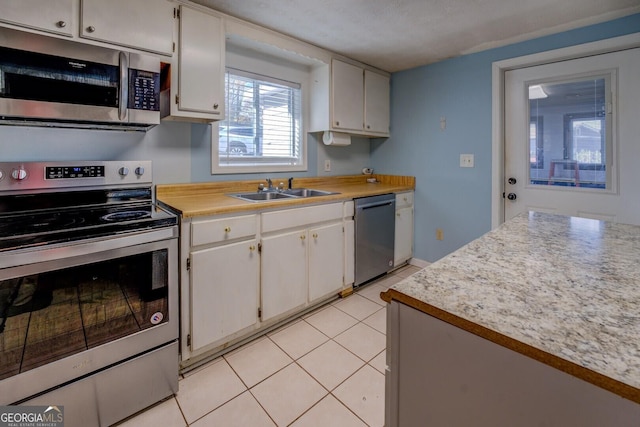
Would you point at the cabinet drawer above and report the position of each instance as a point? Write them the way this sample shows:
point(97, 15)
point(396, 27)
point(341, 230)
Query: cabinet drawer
point(291, 218)
point(404, 200)
point(223, 229)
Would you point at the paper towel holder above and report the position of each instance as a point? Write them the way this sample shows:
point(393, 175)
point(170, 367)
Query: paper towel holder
point(336, 138)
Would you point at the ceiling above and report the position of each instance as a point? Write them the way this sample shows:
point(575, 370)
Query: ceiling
point(395, 35)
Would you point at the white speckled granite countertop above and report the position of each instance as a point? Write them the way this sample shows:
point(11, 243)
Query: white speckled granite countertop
point(563, 290)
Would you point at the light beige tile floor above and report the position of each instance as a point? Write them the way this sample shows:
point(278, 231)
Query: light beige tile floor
point(324, 369)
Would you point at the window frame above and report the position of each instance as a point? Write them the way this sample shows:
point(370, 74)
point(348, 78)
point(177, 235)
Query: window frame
point(261, 165)
point(538, 121)
point(568, 141)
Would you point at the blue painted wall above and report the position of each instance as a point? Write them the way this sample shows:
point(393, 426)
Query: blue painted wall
point(457, 200)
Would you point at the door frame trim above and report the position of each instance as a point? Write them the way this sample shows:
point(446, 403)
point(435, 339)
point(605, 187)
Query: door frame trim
point(498, 70)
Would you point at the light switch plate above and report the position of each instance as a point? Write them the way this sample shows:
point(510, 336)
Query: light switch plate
point(466, 160)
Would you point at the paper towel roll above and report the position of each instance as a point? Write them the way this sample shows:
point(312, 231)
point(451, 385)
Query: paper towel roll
point(336, 138)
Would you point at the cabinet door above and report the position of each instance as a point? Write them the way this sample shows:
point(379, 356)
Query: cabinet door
point(201, 63)
point(284, 273)
point(347, 96)
point(404, 236)
point(224, 292)
point(326, 261)
point(54, 16)
point(376, 102)
point(140, 24)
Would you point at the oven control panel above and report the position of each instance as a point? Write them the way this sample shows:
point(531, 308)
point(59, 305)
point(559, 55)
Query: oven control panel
point(19, 176)
point(70, 172)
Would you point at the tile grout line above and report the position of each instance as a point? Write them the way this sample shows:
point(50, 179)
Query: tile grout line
point(388, 280)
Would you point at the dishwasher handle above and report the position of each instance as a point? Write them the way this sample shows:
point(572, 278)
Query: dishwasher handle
point(375, 204)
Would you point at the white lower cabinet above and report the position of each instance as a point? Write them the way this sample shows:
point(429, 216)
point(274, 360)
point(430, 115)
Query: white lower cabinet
point(224, 282)
point(403, 249)
point(283, 274)
point(248, 272)
point(224, 292)
point(304, 265)
point(326, 256)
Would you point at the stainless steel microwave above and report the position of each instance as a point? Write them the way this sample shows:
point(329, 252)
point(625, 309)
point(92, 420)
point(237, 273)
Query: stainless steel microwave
point(47, 81)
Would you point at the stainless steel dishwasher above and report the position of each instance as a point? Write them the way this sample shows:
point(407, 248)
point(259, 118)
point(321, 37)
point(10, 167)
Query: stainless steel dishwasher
point(375, 236)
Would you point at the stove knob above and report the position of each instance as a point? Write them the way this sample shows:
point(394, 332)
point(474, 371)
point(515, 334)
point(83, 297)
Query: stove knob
point(139, 171)
point(19, 174)
point(123, 171)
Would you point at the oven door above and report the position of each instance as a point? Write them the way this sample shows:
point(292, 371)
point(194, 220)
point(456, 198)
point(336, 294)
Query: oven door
point(72, 310)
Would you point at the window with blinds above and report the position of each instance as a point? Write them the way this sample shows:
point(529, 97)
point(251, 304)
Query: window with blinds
point(263, 122)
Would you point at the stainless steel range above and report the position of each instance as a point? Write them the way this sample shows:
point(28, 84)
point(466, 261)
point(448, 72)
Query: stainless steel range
point(88, 289)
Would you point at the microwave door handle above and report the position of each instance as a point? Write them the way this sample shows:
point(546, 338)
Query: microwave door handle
point(124, 86)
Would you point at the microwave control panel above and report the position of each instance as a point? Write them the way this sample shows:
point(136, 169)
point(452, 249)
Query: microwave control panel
point(144, 90)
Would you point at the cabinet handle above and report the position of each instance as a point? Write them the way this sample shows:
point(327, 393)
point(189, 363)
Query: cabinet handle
point(368, 127)
point(215, 106)
point(227, 229)
point(91, 29)
point(302, 237)
point(252, 248)
point(404, 198)
point(61, 24)
point(398, 214)
point(315, 235)
point(337, 123)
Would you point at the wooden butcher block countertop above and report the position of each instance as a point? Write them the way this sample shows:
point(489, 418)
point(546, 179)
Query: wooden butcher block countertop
point(212, 198)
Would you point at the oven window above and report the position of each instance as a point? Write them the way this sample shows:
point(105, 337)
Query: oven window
point(51, 315)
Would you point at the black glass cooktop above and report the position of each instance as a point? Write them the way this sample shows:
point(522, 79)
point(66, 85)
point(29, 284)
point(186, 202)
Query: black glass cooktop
point(53, 218)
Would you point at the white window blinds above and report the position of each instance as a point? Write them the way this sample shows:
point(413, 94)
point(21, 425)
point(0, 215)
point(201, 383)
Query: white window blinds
point(263, 122)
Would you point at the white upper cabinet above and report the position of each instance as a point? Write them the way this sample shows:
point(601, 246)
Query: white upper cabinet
point(349, 98)
point(197, 69)
point(140, 24)
point(53, 16)
point(376, 102)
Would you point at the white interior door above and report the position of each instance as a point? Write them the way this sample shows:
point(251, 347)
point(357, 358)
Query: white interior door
point(572, 132)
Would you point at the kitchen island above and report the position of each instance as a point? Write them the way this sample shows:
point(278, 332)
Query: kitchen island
point(534, 323)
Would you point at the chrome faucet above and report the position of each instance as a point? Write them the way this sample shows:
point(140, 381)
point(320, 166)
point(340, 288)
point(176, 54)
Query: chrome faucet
point(270, 184)
point(290, 183)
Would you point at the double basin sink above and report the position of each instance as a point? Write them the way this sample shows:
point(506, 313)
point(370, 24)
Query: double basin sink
point(291, 193)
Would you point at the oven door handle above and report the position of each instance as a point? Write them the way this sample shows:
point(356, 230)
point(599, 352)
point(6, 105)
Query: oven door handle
point(29, 256)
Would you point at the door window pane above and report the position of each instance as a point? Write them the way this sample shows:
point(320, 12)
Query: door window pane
point(571, 150)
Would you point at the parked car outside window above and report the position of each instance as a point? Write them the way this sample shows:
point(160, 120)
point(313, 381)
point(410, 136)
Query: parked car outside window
point(237, 140)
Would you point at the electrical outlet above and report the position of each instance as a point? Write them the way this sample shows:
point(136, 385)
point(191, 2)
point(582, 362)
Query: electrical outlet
point(466, 160)
point(439, 234)
point(327, 165)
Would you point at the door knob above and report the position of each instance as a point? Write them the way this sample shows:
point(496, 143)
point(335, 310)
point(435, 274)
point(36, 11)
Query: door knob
point(512, 196)
point(512, 181)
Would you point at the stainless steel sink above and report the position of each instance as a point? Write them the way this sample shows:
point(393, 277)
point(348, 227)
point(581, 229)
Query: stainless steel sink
point(292, 193)
point(307, 192)
point(262, 196)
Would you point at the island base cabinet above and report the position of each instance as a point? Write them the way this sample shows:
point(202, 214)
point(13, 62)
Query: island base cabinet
point(440, 375)
point(224, 292)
